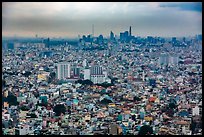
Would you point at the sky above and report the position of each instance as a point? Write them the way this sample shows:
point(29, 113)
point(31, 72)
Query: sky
point(70, 19)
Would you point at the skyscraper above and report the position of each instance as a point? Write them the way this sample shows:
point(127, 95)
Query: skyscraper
point(63, 70)
point(97, 75)
point(126, 35)
point(163, 59)
point(166, 59)
point(111, 35)
point(173, 60)
point(76, 71)
point(173, 40)
point(87, 74)
point(96, 70)
point(130, 32)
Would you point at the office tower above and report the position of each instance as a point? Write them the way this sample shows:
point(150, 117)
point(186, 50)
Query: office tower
point(130, 32)
point(76, 71)
point(126, 35)
point(163, 59)
point(199, 37)
point(166, 59)
point(100, 39)
point(150, 39)
point(173, 60)
point(88, 39)
point(87, 74)
point(47, 43)
point(63, 70)
point(84, 38)
point(184, 39)
point(96, 70)
point(173, 40)
point(98, 78)
point(111, 35)
point(121, 36)
point(97, 75)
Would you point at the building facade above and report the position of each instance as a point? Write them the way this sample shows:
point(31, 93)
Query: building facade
point(63, 70)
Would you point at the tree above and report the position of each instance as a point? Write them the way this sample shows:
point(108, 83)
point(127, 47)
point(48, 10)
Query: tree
point(170, 112)
point(105, 84)
point(27, 73)
point(172, 105)
point(24, 108)
point(87, 82)
point(106, 101)
point(145, 130)
point(84, 82)
point(59, 108)
point(12, 100)
point(137, 98)
point(32, 115)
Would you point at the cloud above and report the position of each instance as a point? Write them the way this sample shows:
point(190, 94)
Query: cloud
point(72, 18)
point(191, 6)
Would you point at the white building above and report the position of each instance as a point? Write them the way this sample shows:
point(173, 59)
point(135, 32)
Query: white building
point(85, 63)
point(98, 78)
point(173, 60)
point(63, 70)
point(87, 74)
point(195, 111)
point(166, 59)
point(96, 70)
point(25, 130)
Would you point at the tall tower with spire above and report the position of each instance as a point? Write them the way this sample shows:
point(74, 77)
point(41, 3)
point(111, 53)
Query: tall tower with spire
point(92, 30)
point(130, 31)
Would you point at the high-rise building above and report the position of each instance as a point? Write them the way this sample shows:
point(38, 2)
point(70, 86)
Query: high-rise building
point(130, 32)
point(121, 36)
point(97, 75)
point(173, 40)
point(87, 74)
point(96, 70)
point(166, 59)
point(163, 59)
point(173, 60)
point(63, 70)
point(100, 39)
point(199, 37)
point(126, 35)
point(76, 71)
point(47, 42)
point(111, 35)
point(98, 78)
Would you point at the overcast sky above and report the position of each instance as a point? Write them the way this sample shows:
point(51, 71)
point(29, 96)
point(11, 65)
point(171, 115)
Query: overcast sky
point(71, 19)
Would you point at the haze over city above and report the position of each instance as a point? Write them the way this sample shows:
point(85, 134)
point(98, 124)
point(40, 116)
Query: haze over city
point(71, 19)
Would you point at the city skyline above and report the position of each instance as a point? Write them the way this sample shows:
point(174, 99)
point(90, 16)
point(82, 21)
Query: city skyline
point(71, 19)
